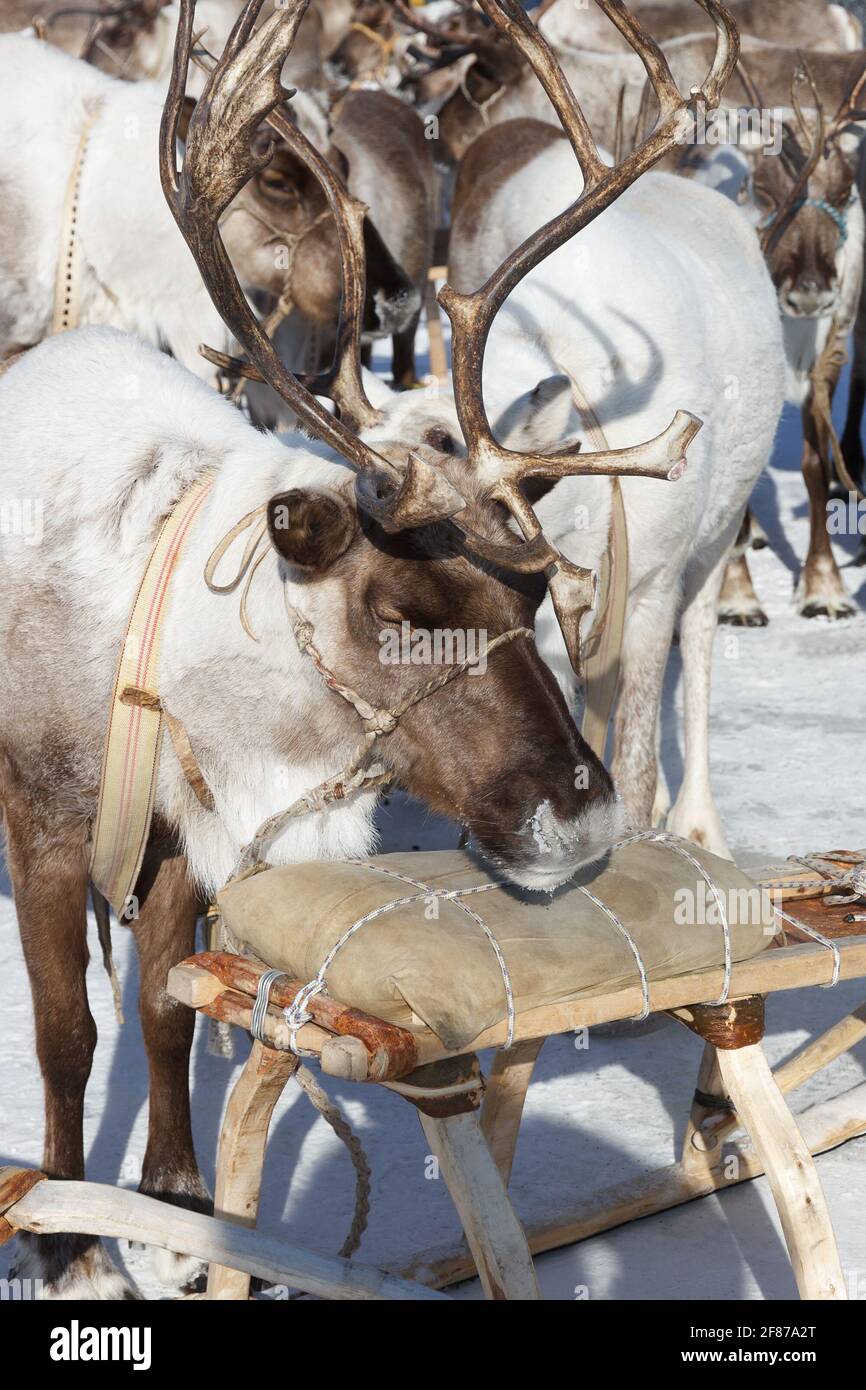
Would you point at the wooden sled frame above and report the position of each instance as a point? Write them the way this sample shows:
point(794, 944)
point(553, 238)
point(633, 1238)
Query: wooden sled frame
point(472, 1125)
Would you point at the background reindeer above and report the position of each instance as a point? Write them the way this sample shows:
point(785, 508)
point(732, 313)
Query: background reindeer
point(131, 268)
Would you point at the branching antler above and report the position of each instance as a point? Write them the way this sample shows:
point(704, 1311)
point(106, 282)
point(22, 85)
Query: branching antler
point(472, 315)
point(242, 90)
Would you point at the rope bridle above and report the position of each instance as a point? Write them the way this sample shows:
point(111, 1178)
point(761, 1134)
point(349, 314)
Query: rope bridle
point(286, 299)
point(386, 46)
point(359, 774)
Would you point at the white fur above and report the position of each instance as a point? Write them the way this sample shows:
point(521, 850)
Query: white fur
point(137, 272)
point(662, 304)
point(103, 501)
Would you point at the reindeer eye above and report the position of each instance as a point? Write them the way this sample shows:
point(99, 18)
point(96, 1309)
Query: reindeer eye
point(274, 186)
point(386, 613)
point(441, 440)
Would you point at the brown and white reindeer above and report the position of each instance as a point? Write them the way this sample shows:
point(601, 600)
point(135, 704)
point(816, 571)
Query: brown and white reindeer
point(491, 84)
point(425, 536)
point(808, 206)
point(374, 142)
point(86, 236)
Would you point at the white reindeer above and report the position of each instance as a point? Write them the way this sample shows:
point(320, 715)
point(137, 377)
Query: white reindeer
point(666, 299)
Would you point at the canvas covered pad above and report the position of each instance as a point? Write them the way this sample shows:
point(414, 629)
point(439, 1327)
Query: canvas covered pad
point(429, 959)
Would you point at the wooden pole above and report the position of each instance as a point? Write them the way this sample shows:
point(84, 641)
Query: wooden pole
point(53, 1208)
point(241, 1154)
point(824, 1126)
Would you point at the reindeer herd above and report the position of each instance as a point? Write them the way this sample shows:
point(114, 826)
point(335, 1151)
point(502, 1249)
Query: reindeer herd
point(209, 215)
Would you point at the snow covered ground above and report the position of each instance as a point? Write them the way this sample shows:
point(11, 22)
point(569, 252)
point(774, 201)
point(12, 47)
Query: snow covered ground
point(788, 738)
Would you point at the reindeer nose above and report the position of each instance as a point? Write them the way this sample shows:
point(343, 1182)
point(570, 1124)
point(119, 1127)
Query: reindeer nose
point(810, 296)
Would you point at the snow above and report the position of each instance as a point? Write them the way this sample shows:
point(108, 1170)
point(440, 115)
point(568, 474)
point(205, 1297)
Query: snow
point(788, 712)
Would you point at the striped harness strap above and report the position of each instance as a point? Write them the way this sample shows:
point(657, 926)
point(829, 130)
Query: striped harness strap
point(67, 283)
point(132, 745)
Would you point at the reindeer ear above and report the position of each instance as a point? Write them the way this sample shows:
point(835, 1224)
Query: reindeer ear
point(311, 528)
point(538, 422)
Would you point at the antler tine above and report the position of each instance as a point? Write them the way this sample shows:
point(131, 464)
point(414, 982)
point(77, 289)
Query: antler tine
point(242, 90)
point(848, 109)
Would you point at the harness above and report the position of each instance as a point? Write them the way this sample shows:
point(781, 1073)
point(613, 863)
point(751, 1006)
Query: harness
point(386, 46)
point(67, 280)
point(132, 748)
point(840, 217)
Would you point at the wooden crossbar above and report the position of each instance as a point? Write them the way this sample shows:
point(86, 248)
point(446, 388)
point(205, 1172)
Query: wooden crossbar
point(351, 1057)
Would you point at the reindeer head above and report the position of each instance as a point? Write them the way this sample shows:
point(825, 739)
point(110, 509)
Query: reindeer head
point(804, 195)
point(281, 231)
point(439, 532)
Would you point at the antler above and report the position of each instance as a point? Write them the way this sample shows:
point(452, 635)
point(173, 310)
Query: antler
point(472, 315)
point(815, 142)
point(242, 90)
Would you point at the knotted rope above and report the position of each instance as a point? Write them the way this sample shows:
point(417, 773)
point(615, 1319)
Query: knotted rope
point(377, 721)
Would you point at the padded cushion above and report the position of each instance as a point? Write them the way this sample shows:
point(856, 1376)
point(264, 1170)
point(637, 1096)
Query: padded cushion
point(429, 960)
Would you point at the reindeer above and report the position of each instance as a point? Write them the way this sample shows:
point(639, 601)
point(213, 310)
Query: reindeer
point(810, 24)
point(427, 535)
point(131, 267)
point(490, 84)
point(808, 208)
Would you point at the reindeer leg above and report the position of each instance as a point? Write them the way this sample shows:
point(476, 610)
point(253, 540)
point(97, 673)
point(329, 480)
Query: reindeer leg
point(739, 605)
point(48, 867)
point(694, 815)
point(403, 359)
point(165, 934)
point(646, 645)
point(821, 592)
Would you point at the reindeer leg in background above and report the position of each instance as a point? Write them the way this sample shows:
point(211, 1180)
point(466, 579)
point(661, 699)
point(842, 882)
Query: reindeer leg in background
point(739, 605)
point(646, 644)
point(852, 444)
point(403, 361)
point(47, 860)
point(694, 815)
point(821, 592)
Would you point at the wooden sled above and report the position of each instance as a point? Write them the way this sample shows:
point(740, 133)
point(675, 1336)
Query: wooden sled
point(471, 1123)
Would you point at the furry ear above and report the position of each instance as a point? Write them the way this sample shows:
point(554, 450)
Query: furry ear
point(311, 528)
point(538, 422)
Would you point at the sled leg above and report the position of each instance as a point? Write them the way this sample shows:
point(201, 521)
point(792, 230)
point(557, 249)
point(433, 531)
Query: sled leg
point(494, 1234)
point(241, 1154)
point(504, 1098)
point(790, 1169)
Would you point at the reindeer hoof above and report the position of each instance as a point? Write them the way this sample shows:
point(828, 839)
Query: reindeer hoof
point(753, 617)
point(819, 608)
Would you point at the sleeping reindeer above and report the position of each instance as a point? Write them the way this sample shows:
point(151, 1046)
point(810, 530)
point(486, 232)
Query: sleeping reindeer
point(434, 533)
point(87, 237)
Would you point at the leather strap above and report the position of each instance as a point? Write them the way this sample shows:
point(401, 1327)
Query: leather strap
point(132, 745)
point(602, 652)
